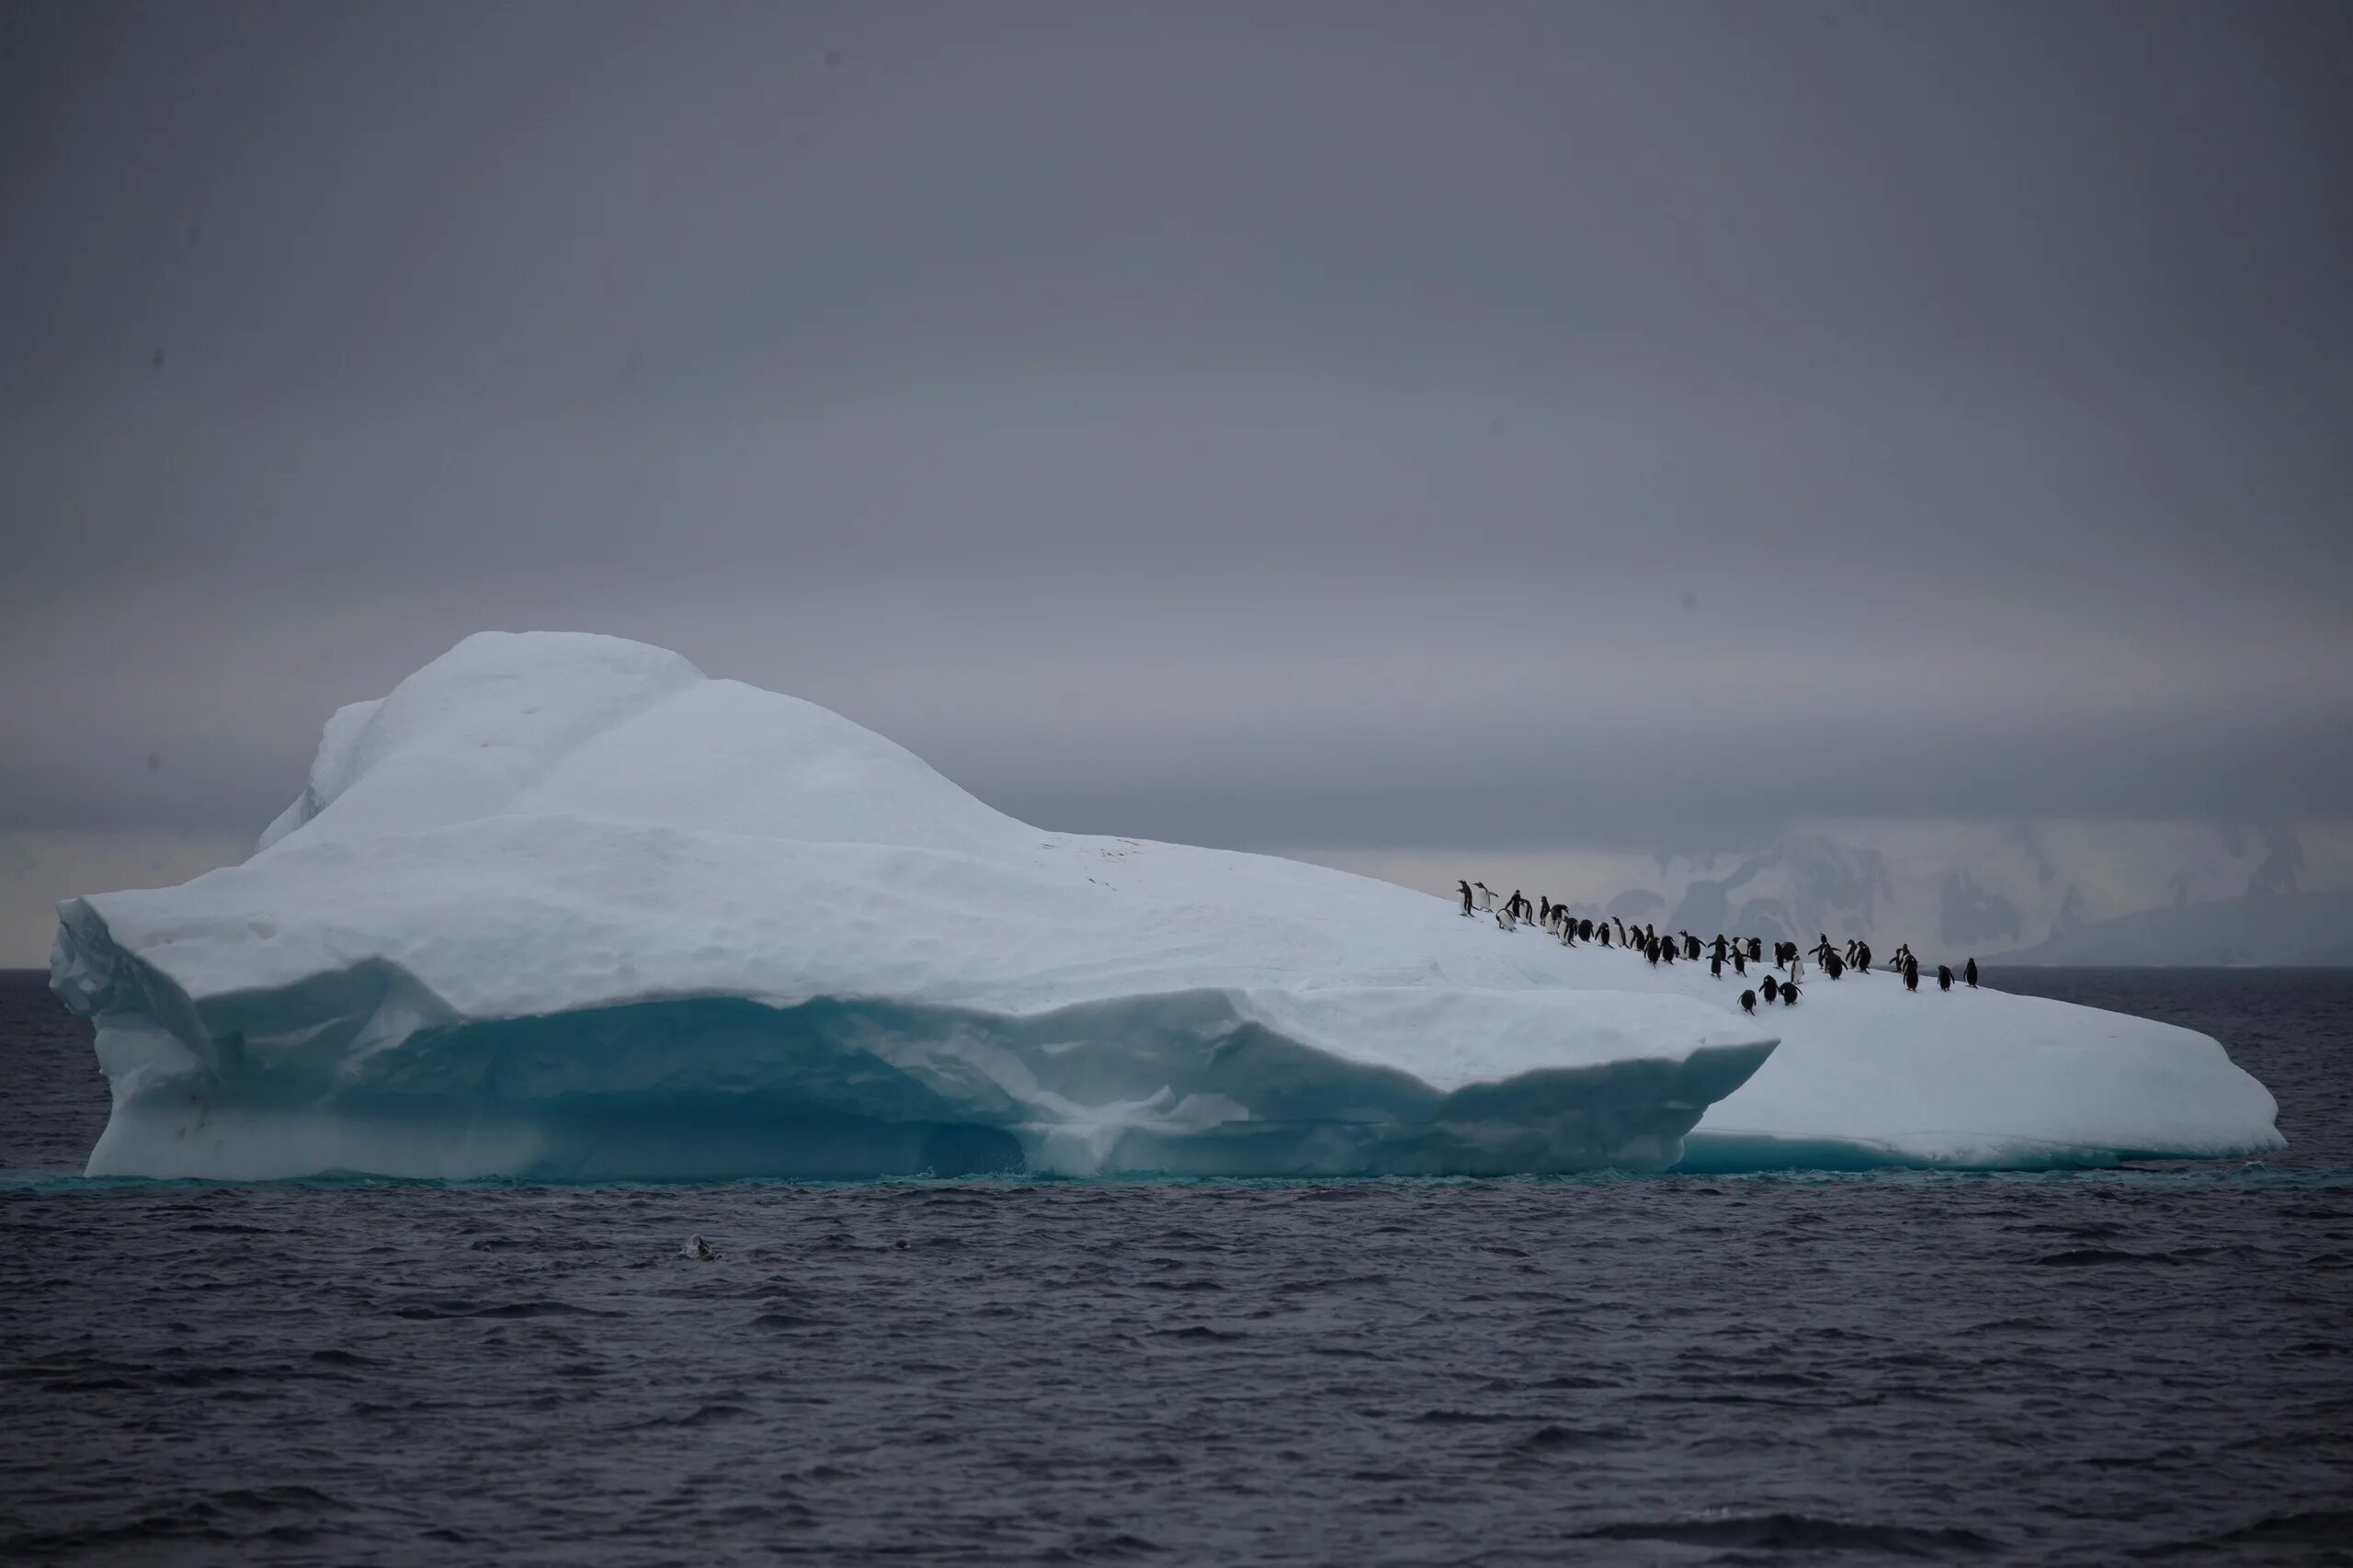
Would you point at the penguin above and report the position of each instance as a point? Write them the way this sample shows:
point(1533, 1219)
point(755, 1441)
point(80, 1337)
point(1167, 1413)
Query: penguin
point(1911, 974)
point(1944, 977)
point(1797, 964)
point(1748, 1001)
point(1486, 896)
point(1739, 962)
point(1833, 965)
point(1719, 945)
point(1716, 967)
point(1544, 908)
point(1604, 938)
point(1621, 931)
point(1789, 994)
point(700, 1250)
point(1649, 952)
point(1503, 919)
point(1465, 889)
point(1666, 947)
point(1690, 946)
point(1772, 989)
point(1585, 929)
point(1969, 975)
point(1863, 957)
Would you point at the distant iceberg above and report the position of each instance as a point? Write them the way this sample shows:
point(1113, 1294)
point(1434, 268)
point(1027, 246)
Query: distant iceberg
point(562, 907)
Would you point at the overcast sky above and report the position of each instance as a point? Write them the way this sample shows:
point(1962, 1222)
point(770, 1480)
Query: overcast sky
point(1278, 425)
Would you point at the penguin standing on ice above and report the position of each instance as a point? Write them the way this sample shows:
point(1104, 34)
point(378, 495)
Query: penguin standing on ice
point(1911, 974)
point(1969, 975)
point(1584, 930)
point(1486, 896)
point(1543, 910)
point(1721, 945)
point(1748, 1001)
point(1716, 967)
point(1604, 938)
point(1465, 888)
point(1863, 957)
point(1944, 977)
point(1772, 990)
point(1789, 994)
point(1739, 962)
point(1649, 952)
point(1621, 931)
point(1690, 946)
point(1833, 965)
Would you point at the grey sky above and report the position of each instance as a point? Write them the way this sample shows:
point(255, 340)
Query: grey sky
point(1513, 425)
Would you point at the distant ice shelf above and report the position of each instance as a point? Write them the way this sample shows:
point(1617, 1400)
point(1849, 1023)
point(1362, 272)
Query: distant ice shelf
point(562, 907)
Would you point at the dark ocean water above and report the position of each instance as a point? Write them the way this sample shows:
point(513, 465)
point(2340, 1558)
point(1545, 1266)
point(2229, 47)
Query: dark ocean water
point(2152, 1364)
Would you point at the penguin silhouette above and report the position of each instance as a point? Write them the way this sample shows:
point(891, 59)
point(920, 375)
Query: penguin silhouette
point(1970, 974)
point(1911, 974)
point(1748, 1001)
point(1464, 887)
point(1715, 969)
point(1788, 993)
point(1944, 977)
point(1772, 988)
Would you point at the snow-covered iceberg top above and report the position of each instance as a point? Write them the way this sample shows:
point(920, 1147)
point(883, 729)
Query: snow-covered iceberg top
point(563, 906)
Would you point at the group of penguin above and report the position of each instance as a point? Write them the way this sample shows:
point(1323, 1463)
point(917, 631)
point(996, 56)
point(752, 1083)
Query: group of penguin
point(1739, 951)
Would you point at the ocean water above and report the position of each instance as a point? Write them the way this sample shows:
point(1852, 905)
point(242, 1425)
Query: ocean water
point(2151, 1364)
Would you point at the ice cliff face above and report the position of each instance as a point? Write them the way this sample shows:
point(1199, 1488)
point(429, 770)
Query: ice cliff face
point(562, 907)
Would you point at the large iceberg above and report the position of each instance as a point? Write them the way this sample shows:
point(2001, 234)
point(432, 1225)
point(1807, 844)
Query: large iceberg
point(562, 907)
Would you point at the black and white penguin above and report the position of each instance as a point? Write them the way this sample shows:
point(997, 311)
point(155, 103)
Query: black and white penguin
point(1772, 988)
point(1690, 946)
point(1465, 888)
point(1716, 967)
point(1721, 947)
point(1833, 965)
point(1604, 937)
point(1486, 896)
point(1748, 1001)
point(1970, 974)
point(1585, 929)
point(1789, 994)
point(1944, 977)
point(1863, 957)
point(1911, 974)
point(1740, 960)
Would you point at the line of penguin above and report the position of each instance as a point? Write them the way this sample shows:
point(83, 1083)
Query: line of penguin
point(1739, 951)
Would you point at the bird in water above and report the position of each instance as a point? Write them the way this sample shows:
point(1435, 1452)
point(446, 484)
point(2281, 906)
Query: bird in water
point(700, 1250)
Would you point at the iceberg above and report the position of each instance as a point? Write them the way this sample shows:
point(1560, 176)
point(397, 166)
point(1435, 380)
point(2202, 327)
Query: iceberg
point(563, 907)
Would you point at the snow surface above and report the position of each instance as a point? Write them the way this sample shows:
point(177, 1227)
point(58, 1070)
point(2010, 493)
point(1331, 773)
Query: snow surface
point(560, 905)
